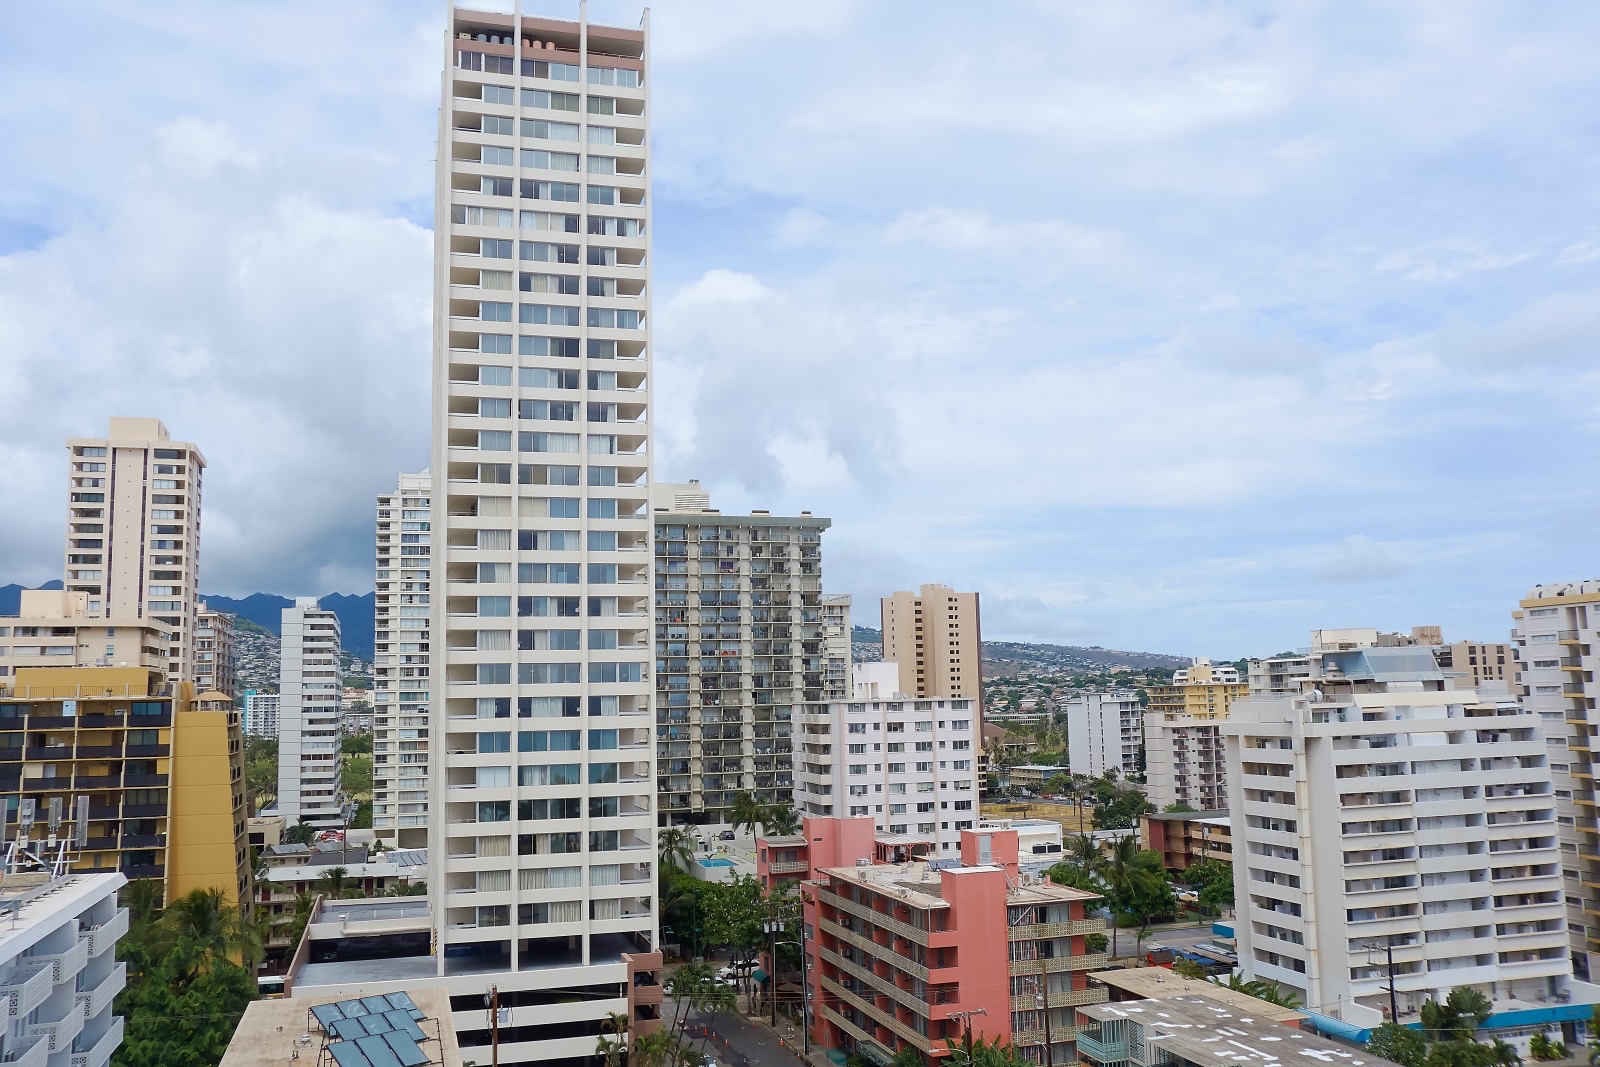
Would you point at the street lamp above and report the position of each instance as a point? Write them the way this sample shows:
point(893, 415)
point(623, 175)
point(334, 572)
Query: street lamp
point(805, 997)
point(1043, 1002)
point(772, 928)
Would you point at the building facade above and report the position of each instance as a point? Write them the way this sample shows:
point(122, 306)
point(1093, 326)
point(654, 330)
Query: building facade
point(309, 706)
point(261, 714)
point(1105, 732)
point(542, 766)
point(837, 662)
point(1556, 630)
point(935, 636)
point(401, 722)
point(54, 629)
point(911, 765)
point(162, 775)
point(1183, 739)
point(133, 530)
point(1380, 809)
point(214, 652)
point(740, 647)
point(58, 965)
point(908, 955)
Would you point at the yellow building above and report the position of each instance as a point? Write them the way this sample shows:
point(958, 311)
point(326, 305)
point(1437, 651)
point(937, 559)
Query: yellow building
point(163, 775)
point(1183, 745)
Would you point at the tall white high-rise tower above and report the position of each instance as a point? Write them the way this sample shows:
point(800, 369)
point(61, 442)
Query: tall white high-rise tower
point(542, 790)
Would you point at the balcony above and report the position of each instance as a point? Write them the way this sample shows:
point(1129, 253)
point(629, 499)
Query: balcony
point(789, 867)
point(59, 1033)
point(94, 1001)
point(1065, 998)
point(99, 1054)
point(1041, 931)
point(1090, 962)
point(27, 988)
point(66, 965)
point(29, 1051)
point(105, 936)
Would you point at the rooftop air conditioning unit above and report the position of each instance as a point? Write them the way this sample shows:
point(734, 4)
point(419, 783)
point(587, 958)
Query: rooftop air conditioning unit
point(863, 862)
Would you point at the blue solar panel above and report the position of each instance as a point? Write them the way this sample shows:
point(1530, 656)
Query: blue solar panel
point(378, 1052)
point(353, 1009)
point(327, 1013)
point(401, 1021)
point(346, 1054)
point(347, 1029)
point(405, 1049)
point(401, 1000)
point(376, 1005)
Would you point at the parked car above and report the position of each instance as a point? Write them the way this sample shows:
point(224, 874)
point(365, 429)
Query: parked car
point(727, 835)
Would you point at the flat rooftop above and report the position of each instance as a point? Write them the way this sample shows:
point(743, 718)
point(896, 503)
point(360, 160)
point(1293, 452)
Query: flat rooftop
point(275, 1032)
point(1205, 1032)
point(925, 884)
point(32, 905)
point(1160, 983)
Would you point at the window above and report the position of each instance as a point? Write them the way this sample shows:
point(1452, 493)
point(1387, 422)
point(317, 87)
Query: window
point(532, 189)
point(539, 159)
point(615, 672)
point(544, 130)
point(539, 378)
point(601, 508)
point(494, 811)
point(547, 315)
point(494, 247)
point(495, 155)
point(548, 252)
point(549, 220)
point(602, 540)
point(464, 215)
point(559, 347)
point(495, 742)
point(602, 105)
point(560, 284)
point(602, 194)
point(549, 101)
point(556, 72)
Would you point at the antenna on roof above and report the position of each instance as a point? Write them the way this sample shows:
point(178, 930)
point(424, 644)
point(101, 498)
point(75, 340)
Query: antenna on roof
point(80, 824)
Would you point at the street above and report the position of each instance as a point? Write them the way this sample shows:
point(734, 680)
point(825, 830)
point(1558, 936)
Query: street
point(738, 1042)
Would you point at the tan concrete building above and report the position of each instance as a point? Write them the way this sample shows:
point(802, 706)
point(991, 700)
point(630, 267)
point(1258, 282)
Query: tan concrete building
point(1483, 665)
point(400, 672)
point(133, 530)
point(309, 708)
point(836, 645)
point(1557, 631)
point(740, 650)
point(934, 635)
point(1183, 745)
point(54, 629)
point(214, 651)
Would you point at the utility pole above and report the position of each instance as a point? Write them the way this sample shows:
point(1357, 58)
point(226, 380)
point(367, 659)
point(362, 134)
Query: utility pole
point(966, 1019)
point(494, 1025)
point(1394, 1003)
point(773, 928)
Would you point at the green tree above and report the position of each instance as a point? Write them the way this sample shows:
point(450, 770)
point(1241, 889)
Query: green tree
point(1213, 880)
point(1180, 806)
point(746, 812)
point(336, 882)
point(780, 821)
point(1540, 1047)
point(676, 846)
point(1400, 1044)
point(182, 1008)
point(356, 744)
point(1129, 881)
point(293, 924)
point(261, 769)
point(301, 833)
point(216, 929)
point(355, 776)
point(985, 1053)
point(1458, 1018)
point(613, 1043)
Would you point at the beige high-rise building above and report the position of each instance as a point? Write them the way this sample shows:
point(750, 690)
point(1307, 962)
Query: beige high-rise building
point(542, 783)
point(836, 645)
point(740, 650)
point(214, 652)
point(402, 652)
point(934, 636)
point(1557, 633)
point(309, 706)
point(133, 530)
point(53, 628)
point(1183, 739)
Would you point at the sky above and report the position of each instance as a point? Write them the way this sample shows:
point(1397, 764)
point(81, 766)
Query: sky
point(1178, 327)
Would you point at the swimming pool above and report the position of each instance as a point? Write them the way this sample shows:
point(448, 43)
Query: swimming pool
point(715, 861)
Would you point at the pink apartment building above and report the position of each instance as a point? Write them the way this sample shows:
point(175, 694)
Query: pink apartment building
point(909, 953)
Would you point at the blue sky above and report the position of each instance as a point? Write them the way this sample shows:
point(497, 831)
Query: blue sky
point(1175, 326)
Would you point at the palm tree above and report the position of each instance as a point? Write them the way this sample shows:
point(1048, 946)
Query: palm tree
point(746, 812)
point(676, 846)
point(613, 1043)
point(301, 833)
point(1125, 879)
point(1083, 852)
point(295, 924)
point(206, 920)
point(780, 821)
point(334, 881)
point(1273, 993)
point(142, 897)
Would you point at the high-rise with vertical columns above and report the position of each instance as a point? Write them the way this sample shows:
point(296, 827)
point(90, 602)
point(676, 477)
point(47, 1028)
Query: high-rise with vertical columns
point(542, 783)
point(133, 530)
point(933, 634)
point(402, 649)
point(309, 692)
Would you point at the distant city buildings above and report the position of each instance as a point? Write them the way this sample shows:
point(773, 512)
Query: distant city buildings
point(934, 635)
point(1383, 806)
point(133, 530)
point(260, 714)
point(309, 704)
point(1557, 632)
point(910, 765)
point(214, 651)
point(1183, 739)
point(1105, 732)
point(741, 645)
point(399, 718)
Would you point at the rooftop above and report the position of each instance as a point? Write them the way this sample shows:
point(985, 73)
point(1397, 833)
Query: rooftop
point(921, 884)
point(274, 1032)
point(1199, 1030)
point(1161, 983)
point(33, 905)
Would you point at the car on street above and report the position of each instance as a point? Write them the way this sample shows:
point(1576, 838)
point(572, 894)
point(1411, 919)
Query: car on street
point(727, 835)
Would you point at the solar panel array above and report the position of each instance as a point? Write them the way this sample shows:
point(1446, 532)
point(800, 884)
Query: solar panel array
point(378, 1031)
